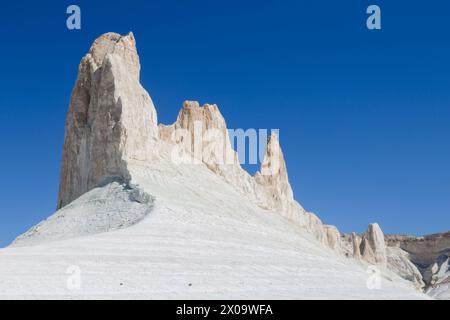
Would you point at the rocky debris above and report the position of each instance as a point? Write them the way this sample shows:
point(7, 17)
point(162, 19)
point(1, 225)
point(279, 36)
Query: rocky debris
point(111, 118)
point(373, 247)
point(437, 277)
point(102, 209)
point(438, 271)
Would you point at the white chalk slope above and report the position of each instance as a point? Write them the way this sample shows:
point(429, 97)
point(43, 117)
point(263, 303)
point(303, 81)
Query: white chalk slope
point(199, 239)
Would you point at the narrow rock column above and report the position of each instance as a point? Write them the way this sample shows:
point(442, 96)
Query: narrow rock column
point(356, 242)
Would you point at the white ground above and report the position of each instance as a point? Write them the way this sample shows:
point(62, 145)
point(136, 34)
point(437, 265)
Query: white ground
point(201, 240)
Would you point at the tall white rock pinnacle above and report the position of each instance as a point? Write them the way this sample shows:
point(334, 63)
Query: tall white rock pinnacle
point(273, 175)
point(111, 118)
point(373, 247)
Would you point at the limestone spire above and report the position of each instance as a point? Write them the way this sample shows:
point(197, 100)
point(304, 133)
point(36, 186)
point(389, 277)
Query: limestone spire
point(373, 247)
point(111, 118)
point(273, 173)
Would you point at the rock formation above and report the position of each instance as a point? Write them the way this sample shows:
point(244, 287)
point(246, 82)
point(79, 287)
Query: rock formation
point(373, 247)
point(112, 121)
point(356, 243)
point(399, 262)
point(430, 254)
point(111, 118)
point(273, 176)
point(200, 135)
point(333, 237)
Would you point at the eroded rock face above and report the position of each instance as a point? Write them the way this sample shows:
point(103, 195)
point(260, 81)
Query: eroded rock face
point(438, 271)
point(373, 247)
point(111, 118)
point(400, 263)
point(333, 237)
point(201, 136)
point(430, 256)
point(423, 250)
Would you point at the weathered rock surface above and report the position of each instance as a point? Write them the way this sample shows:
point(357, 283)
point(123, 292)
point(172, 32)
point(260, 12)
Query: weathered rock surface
point(399, 261)
point(333, 237)
point(423, 250)
point(111, 118)
point(439, 270)
point(430, 255)
point(373, 247)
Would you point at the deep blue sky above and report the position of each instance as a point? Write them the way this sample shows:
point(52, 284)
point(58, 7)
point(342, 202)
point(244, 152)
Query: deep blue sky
point(364, 116)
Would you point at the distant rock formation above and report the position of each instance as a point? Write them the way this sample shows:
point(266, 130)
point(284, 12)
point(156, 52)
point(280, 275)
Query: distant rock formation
point(430, 254)
point(399, 262)
point(373, 247)
point(356, 243)
point(111, 118)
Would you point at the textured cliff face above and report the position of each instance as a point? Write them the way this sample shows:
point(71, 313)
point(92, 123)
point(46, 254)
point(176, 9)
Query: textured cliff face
point(399, 261)
point(431, 255)
point(333, 237)
point(423, 250)
point(111, 118)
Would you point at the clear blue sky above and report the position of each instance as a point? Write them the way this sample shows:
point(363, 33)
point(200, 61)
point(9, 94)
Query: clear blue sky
point(364, 116)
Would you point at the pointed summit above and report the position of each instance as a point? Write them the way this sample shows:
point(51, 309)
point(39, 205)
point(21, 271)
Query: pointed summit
point(273, 173)
point(373, 247)
point(113, 43)
point(111, 118)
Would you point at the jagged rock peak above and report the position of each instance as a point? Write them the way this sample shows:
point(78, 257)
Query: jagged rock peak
point(114, 43)
point(201, 134)
point(373, 247)
point(273, 172)
point(111, 118)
